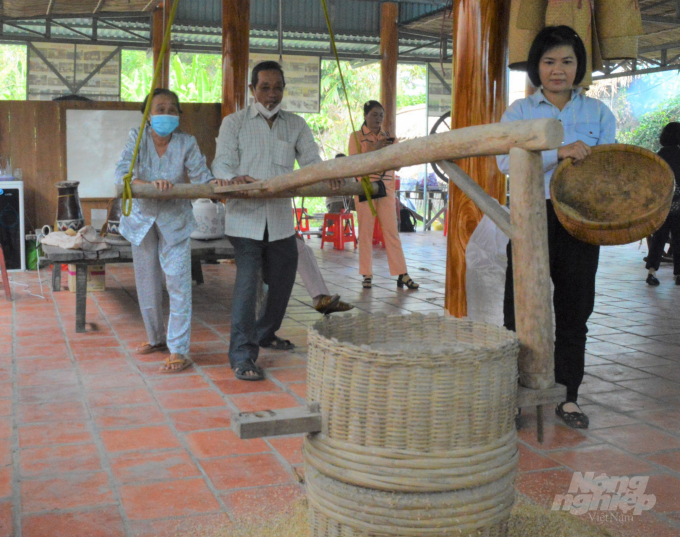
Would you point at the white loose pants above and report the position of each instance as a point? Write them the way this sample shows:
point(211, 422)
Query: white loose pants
point(309, 270)
point(153, 258)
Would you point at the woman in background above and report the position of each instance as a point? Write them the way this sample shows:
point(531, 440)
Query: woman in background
point(372, 137)
point(670, 152)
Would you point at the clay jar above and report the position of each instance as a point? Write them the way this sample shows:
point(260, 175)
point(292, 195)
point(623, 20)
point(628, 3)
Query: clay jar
point(69, 211)
point(115, 212)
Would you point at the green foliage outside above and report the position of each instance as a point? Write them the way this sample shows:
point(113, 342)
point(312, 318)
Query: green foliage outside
point(13, 60)
point(646, 133)
point(196, 78)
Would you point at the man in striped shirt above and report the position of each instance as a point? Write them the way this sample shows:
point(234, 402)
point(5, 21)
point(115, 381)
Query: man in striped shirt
point(256, 144)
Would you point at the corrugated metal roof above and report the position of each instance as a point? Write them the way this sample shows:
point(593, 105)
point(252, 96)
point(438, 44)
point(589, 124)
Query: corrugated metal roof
point(198, 27)
point(409, 11)
point(350, 16)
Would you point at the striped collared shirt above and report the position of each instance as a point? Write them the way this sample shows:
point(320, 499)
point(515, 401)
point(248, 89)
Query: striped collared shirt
point(583, 118)
point(247, 146)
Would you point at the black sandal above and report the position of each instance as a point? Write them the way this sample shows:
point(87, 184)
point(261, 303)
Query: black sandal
point(241, 370)
point(367, 283)
point(279, 344)
point(575, 420)
point(406, 280)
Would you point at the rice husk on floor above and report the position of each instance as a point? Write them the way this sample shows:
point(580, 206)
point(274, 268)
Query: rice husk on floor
point(526, 520)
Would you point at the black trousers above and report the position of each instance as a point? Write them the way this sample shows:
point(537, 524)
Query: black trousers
point(670, 226)
point(573, 266)
point(278, 261)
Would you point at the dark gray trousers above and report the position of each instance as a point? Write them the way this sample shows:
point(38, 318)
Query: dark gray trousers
point(278, 262)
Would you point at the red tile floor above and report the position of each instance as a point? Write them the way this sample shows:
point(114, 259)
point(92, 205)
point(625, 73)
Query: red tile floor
point(94, 442)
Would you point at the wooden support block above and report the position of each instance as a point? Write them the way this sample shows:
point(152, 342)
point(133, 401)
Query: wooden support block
point(263, 423)
point(527, 397)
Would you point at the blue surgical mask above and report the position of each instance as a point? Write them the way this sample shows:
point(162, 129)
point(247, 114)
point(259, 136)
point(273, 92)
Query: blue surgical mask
point(164, 125)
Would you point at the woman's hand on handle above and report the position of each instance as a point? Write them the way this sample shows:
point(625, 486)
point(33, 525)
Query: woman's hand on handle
point(577, 150)
point(162, 184)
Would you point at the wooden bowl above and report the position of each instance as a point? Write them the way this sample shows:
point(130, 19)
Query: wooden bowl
point(617, 195)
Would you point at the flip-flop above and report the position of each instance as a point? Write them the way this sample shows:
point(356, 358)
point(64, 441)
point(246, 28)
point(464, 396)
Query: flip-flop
point(148, 348)
point(247, 366)
point(279, 344)
point(172, 360)
point(575, 420)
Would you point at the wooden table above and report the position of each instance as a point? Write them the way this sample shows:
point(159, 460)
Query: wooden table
point(210, 250)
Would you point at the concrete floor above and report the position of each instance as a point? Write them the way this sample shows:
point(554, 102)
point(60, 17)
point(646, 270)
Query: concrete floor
point(94, 442)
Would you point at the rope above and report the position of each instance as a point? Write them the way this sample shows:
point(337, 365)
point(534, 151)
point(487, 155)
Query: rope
point(365, 181)
point(404, 471)
point(127, 179)
point(341, 509)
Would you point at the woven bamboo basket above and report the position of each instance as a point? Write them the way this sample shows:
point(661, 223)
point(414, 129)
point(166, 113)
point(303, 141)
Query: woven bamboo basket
point(418, 413)
point(617, 195)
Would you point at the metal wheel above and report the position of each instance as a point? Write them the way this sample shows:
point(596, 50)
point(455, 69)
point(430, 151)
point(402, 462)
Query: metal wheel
point(443, 124)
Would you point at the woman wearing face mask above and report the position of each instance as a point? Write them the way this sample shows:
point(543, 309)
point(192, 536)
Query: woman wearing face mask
point(372, 137)
point(159, 229)
point(556, 65)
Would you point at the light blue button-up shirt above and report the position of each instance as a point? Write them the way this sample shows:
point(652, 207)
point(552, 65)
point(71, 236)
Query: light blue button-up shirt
point(583, 118)
point(247, 146)
point(182, 160)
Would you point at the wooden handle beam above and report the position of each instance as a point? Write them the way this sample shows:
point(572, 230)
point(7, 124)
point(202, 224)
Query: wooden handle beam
point(531, 270)
point(192, 191)
point(488, 205)
point(482, 140)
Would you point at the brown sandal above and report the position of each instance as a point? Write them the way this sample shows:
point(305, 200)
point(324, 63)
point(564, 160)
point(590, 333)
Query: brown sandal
point(148, 348)
point(175, 359)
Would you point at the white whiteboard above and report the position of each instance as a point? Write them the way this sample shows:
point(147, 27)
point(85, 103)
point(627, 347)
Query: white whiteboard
point(94, 142)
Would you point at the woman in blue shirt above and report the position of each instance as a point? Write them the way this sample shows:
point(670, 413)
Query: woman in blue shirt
point(556, 65)
point(159, 229)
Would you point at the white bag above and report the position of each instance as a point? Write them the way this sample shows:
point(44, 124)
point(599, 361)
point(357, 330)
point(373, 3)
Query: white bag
point(486, 261)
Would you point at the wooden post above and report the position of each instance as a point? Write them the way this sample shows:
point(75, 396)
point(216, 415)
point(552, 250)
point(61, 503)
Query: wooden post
point(160, 22)
point(480, 40)
point(389, 54)
point(235, 44)
point(531, 270)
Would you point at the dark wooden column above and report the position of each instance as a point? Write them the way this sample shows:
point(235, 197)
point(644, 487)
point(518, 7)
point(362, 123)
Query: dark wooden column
point(389, 54)
point(235, 44)
point(160, 22)
point(480, 94)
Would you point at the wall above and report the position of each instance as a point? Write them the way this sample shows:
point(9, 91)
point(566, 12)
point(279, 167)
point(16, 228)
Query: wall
point(33, 135)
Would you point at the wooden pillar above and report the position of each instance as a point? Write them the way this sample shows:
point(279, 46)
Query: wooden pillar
point(480, 94)
point(235, 44)
point(389, 54)
point(160, 22)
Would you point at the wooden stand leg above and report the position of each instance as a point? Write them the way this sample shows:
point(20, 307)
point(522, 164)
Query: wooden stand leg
point(539, 423)
point(531, 270)
point(196, 271)
point(81, 297)
point(56, 277)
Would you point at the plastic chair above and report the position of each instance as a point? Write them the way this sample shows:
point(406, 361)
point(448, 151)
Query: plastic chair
point(302, 221)
point(378, 237)
point(5, 277)
point(338, 228)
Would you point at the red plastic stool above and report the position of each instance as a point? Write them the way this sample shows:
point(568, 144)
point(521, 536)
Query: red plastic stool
point(301, 221)
point(5, 278)
point(446, 222)
point(378, 234)
point(338, 228)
